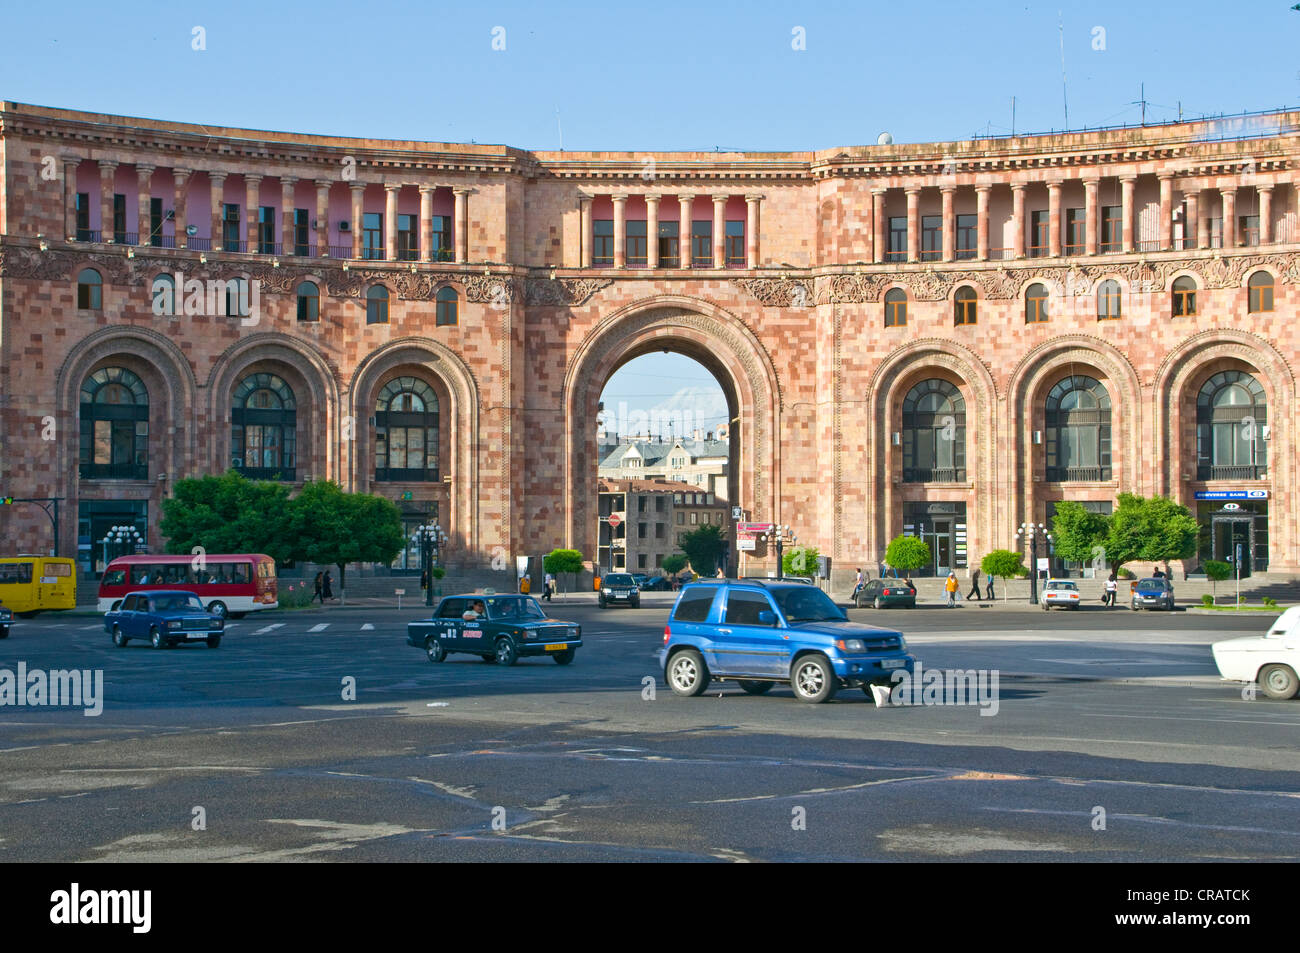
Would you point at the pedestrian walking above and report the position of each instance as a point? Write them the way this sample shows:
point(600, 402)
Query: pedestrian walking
point(316, 587)
point(988, 586)
point(548, 588)
point(857, 585)
point(974, 585)
point(951, 587)
point(1108, 598)
point(327, 588)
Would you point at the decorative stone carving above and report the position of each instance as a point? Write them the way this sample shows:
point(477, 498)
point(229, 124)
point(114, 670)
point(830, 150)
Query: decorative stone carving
point(562, 291)
point(490, 289)
point(780, 292)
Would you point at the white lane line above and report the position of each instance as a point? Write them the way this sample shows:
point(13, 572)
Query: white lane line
point(269, 628)
point(367, 627)
point(319, 628)
point(91, 628)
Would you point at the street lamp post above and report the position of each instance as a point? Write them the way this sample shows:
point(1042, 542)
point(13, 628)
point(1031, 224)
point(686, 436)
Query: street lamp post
point(431, 538)
point(125, 537)
point(1031, 532)
point(782, 536)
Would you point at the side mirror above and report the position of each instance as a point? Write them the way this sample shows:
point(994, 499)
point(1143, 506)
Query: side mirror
point(766, 617)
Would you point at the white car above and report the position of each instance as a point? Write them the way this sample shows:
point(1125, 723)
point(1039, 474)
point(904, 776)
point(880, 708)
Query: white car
point(1272, 659)
point(1060, 592)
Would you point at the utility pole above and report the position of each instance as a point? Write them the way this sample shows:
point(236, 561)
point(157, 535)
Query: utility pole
point(1143, 103)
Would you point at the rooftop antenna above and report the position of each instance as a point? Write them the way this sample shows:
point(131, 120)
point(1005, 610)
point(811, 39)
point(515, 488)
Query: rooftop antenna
point(1064, 98)
point(1143, 103)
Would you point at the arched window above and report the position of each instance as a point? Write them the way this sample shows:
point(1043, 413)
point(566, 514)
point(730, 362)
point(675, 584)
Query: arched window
point(376, 305)
point(895, 308)
point(934, 433)
point(162, 291)
point(1036, 303)
point(264, 428)
point(448, 305)
point(406, 432)
point(308, 302)
point(238, 303)
point(114, 426)
point(90, 288)
point(1231, 421)
point(1184, 303)
point(964, 305)
point(1108, 300)
point(1260, 289)
point(1078, 430)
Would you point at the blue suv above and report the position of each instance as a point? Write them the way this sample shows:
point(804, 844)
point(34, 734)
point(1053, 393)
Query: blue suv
point(763, 632)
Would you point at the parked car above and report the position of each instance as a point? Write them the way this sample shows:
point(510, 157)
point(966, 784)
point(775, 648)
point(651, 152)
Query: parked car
point(499, 629)
point(640, 578)
point(883, 593)
point(1060, 592)
point(760, 632)
point(166, 618)
point(1152, 594)
point(656, 584)
point(621, 589)
point(6, 620)
point(1272, 660)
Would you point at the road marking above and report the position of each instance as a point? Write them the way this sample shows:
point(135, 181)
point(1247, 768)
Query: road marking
point(319, 628)
point(269, 628)
point(367, 627)
point(91, 628)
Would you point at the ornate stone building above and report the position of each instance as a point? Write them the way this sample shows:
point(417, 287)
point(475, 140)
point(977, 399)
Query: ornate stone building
point(946, 339)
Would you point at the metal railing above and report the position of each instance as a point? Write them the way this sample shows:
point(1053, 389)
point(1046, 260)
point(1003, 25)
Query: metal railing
point(198, 244)
point(114, 471)
point(1001, 254)
point(1236, 472)
point(1150, 244)
point(88, 235)
point(340, 251)
point(934, 475)
point(1077, 474)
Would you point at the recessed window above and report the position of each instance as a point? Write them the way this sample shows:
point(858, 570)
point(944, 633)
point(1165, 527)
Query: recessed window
point(1260, 289)
point(736, 245)
point(635, 238)
point(1078, 430)
point(408, 237)
point(266, 243)
point(119, 218)
point(442, 237)
point(83, 218)
point(230, 227)
point(1184, 298)
point(669, 255)
point(1248, 229)
point(114, 426)
point(406, 432)
point(931, 237)
point(301, 236)
point(1231, 416)
point(967, 237)
point(895, 308)
point(602, 248)
point(308, 302)
point(1112, 228)
point(90, 289)
point(1076, 230)
point(1109, 293)
point(1039, 230)
point(702, 244)
point(934, 433)
point(377, 305)
point(447, 305)
point(372, 236)
point(1035, 303)
point(897, 239)
point(964, 305)
point(263, 428)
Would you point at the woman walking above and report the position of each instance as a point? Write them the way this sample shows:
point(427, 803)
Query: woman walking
point(974, 584)
point(316, 589)
point(951, 587)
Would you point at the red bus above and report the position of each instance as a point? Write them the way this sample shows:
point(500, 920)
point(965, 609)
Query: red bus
point(229, 585)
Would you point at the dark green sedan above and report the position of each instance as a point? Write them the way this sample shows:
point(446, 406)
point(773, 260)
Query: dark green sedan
point(499, 629)
point(883, 593)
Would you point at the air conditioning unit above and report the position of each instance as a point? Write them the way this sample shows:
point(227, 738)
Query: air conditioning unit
point(236, 462)
point(345, 226)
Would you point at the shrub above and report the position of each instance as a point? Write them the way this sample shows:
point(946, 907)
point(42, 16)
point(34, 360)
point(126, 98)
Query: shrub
point(1207, 600)
point(1270, 602)
point(1125, 574)
point(296, 595)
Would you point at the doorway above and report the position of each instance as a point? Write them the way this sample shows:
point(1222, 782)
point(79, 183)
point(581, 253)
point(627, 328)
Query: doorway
point(1234, 534)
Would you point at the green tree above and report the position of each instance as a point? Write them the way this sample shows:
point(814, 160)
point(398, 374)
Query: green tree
point(1005, 564)
point(1154, 529)
point(673, 564)
point(800, 561)
point(1216, 571)
point(703, 547)
point(228, 514)
point(331, 527)
point(908, 553)
point(1078, 535)
point(559, 561)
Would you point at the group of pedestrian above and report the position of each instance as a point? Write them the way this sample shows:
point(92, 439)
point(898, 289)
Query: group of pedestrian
point(322, 587)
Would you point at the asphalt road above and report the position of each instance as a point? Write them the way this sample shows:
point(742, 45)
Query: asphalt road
point(1101, 716)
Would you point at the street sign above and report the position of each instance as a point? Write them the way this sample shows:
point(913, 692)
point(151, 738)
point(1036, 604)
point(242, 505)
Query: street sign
point(746, 544)
point(754, 529)
point(1231, 494)
point(614, 521)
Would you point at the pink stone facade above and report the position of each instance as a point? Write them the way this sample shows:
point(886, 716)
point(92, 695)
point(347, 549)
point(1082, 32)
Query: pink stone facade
point(788, 310)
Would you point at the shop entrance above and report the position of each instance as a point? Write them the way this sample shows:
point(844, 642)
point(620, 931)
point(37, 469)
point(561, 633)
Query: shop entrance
point(1227, 528)
point(1233, 534)
point(942, 527)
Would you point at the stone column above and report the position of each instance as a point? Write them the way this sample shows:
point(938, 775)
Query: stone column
point(751, 230)
point(686, 215)
point(1127, 186)
point(879, 242)
point(181, 178)
point(1166, 211)
point(1091, 227)
point(1230, 217)
point(946, 193)
point(720, 231)
point(1203, 225)
point(70, 164)
point(143, 203)
point(913, 223)
point(1265, 214)
point(620, 231)
point(652, 231)
point(588, 230)
point(1018, 218)
point(216, 198)
point(461, 225)
point(982, 230)
point(323, 217)
point(390, 221)
point(1054, 219)
point(1192, 222)
point(358, 216)
point(287, 185)
point(107, 169)
point(252, 202)
point(426, 223)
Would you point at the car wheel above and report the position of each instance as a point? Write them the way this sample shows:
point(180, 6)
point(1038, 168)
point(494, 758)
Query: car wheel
point(1278, 681)
point(1046, 607)
point(218, 609)
point(857, 602)
point(433, 648)
point(602, 603)
point(813, 679)
point(636, 603)
point(565, 657)
point(214, 641)
point(4, 631)
point(506, 653)
point(155, 637)
point(756, 688)
point(119, 639)
point(877, 604)
point(687, 673)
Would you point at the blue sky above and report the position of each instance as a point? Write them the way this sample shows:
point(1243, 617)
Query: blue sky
point(661, 76)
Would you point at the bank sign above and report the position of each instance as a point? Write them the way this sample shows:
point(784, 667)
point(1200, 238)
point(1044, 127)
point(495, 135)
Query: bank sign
point(1232, 494)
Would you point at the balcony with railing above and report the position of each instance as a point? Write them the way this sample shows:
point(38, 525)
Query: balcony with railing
point(1001, 254)
point(1232, 472)
point(198, 244)
point(114, 471)
point(934, 474)
point(1077, 474)
point(91, 235)
point(340, 251)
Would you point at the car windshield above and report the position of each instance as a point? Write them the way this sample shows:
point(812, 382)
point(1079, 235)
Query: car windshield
point(800, 604)
point(1151, 584)
point(173, 603)
point(514, 609)
point(619, 579)
point(1068, 586)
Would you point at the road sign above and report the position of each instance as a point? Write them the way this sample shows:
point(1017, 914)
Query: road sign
point(753, 529)
point(614, 521)
point(746, 544)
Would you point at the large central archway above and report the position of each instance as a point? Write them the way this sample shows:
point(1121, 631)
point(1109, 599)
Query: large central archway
point(718, 341)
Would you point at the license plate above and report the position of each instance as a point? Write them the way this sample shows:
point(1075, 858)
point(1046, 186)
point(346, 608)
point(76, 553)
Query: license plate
point(892, 663)
point(556, 647)
point(197, 635)
point(620, 595)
